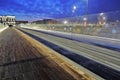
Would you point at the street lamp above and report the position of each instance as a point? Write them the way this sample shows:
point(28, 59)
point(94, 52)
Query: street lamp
point(65, 22)
point(102, 19)
point(86, 12)
point(101, 14)
point(86, 7)
point(74, 8)
point(85, 19)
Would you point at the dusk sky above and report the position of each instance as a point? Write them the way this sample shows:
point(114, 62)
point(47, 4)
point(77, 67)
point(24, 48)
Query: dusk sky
point(39, 9)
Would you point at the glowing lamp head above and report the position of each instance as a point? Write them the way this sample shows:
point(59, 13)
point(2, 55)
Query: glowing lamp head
point(74, 7)
point(65, 22)
point(85, 19)
point(101, 14)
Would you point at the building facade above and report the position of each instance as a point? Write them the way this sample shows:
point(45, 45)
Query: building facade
point(7, 20)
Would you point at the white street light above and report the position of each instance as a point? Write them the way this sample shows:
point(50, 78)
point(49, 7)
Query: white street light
point(74, 8)
point(85, 19)
point(101, 14)
point(65, 22)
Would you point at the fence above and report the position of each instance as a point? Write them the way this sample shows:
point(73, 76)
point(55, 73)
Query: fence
point(102, 24)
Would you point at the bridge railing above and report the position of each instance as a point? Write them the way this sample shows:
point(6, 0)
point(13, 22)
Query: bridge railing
point(101, 24)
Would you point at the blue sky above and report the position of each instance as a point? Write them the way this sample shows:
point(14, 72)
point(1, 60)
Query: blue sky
point(39, 9)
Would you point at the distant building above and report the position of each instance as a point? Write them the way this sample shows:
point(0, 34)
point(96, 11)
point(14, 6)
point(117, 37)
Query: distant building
point(7, 20)
point(46, 21)
point(21, 22)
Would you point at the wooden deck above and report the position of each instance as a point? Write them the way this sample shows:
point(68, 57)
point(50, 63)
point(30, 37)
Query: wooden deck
point(21, 60)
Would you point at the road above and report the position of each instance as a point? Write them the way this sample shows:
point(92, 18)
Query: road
point(101, 55)
point(20, 59)
point(104, 42)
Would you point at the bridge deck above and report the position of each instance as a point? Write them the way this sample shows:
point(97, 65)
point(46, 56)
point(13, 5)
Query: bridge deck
point(21, 60)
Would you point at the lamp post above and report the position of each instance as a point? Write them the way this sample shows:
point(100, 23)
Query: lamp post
point(86, 7)
point(65, 22)
point(72, 22)
point(102, 19)
point(65, 25)
point(86, 12)
point(85, 21)
point(74, 8)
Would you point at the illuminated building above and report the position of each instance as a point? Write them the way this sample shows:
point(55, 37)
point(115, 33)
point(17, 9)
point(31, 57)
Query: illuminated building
point(7, 20)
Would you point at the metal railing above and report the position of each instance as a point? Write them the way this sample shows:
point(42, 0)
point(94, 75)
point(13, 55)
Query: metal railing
point(101, 24)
